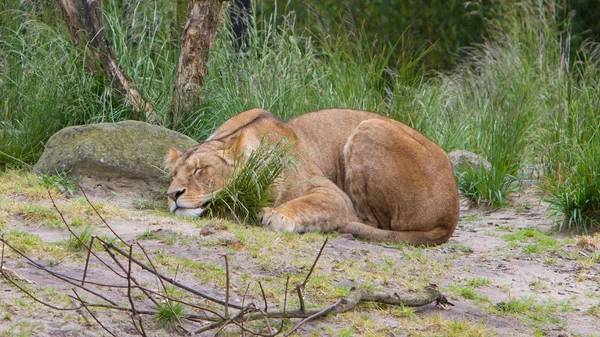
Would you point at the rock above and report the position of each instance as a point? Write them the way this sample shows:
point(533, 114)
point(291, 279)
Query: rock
point(460, 158)
point(112, 151)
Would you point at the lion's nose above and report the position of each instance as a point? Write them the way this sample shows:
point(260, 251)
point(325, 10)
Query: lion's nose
point(175, 194)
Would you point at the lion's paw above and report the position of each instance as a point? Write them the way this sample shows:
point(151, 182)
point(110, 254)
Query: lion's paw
point(277, 220)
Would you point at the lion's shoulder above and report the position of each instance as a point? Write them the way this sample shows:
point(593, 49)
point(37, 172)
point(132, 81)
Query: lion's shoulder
point(238, 122)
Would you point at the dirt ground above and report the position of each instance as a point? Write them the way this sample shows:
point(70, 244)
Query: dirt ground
point(504, 277)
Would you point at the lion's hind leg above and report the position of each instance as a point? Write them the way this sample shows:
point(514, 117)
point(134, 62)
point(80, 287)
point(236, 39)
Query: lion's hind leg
point(400, 181)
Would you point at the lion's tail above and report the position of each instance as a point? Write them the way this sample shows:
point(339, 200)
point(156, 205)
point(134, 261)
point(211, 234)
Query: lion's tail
point(436, 236)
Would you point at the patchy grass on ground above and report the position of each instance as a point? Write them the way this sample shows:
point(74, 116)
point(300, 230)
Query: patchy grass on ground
point(506, 272)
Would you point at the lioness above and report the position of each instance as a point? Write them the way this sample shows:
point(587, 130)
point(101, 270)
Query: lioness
point(361, 173)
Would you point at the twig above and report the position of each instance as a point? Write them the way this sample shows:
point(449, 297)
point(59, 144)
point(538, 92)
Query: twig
point(92, 314)
point(300, 298)
point(242, 313)
point(87, 261)
point(134, 314)
point(2, 257)
point(99, 215)
point(170, 280)
point(227, 286)
point(76, 237)
point(301, 286)
point(264, 296)
point(315, 263)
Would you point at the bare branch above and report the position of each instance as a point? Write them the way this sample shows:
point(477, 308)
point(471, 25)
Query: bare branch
point(316, 315)
point(170, 280)
point(92, 314)
point(315, 263)
point(99, 215)
point(87, 261)
point(134, 314)
point(227, 286)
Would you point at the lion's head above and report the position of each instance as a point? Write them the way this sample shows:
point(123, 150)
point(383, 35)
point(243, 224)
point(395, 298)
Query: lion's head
point(196, 175)
point(203, 170)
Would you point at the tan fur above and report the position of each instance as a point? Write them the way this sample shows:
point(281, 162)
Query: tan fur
point(362, 173)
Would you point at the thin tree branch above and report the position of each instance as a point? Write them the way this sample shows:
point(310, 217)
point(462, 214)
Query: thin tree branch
point(99, 215)
point(168, 279)
point(92, 314)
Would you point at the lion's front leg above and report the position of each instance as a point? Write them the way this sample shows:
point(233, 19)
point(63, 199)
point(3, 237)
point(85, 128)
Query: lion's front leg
point(322, 209)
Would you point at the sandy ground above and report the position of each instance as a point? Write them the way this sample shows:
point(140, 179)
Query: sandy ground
point(564, 280)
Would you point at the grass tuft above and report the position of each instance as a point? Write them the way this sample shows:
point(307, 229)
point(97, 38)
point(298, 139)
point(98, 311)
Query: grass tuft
point(169, 314)
point(82, 241)
point(60, 182)
point(248, 190)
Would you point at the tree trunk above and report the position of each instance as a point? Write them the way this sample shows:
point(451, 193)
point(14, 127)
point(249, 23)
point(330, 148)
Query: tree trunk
point(196, 38)
point(86, 25)
point(72, 13)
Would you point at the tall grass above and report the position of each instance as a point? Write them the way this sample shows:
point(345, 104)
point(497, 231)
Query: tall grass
point(518, 99)
point(572, 146)
point(288, 73)
point(143, 36)
point(491, 103)
point(44, 86)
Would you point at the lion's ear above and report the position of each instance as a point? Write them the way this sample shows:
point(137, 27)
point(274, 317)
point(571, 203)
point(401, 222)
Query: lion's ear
point(231, 148)
point(173, 155)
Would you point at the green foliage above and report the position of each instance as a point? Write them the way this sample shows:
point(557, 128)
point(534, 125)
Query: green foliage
point(521, 97)
point(490, 103)
point(572, 179)
point(533, 241)
point(43, 86)
point(446, 25)
point(248, 190)
point(169, 314)
point(288, 72)
point(82, 240)
point(60, 182)
point(488, 188)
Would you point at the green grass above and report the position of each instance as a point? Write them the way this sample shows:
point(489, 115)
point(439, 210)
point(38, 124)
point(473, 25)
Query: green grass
point(528, 308)
point(60, 182)
point(169, 314)
point(533, 241)
point(469, 292)
point(23, 241)
point(82, 240)
point(520, 99)
point(572, 178)
point(248, 190)
point(478, 282)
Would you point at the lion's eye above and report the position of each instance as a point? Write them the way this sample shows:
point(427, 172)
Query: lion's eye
point(197, 172)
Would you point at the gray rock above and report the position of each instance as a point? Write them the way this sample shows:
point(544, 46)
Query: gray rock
point(460, 158)
point(123, 150)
